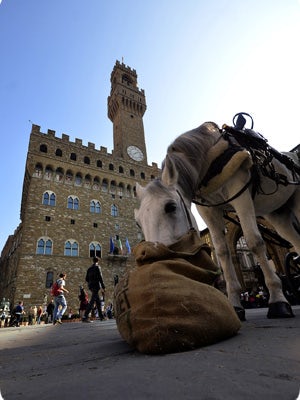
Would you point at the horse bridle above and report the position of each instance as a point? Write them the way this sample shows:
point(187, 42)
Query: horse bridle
point(186, 211)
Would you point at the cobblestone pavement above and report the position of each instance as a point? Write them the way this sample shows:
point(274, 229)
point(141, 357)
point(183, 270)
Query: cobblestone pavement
point(91, 361)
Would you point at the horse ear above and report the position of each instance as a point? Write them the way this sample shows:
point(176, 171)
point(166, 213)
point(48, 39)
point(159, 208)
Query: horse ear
point(139, 190)
point(169, 174)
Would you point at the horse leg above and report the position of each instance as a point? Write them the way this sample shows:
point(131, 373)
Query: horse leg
point(213, 218)
point(278, 305)
point(286, 221)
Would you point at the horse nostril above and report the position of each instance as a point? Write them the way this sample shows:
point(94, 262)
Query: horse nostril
point(170, 208)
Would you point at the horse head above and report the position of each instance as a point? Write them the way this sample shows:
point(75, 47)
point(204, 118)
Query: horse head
point(164, 214)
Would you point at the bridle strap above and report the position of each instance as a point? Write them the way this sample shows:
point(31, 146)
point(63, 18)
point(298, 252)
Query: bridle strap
point(187, 214)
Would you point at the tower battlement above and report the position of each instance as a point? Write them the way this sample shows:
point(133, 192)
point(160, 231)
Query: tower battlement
point(65, 139)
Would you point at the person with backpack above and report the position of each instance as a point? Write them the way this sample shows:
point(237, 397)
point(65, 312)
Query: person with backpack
point(95, 282)
point(60, 303)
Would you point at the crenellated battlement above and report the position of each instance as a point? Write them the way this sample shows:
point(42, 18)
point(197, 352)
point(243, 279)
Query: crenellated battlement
point(125, 68)
point(65, 139)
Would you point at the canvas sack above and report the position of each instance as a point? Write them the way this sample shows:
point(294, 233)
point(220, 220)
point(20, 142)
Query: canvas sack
point(168, 304)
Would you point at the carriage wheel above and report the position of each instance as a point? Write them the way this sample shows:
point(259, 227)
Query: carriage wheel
point(292, 270)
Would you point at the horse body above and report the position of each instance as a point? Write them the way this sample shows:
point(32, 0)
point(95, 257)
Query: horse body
point(165, 213)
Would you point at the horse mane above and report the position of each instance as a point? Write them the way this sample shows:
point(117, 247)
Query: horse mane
point(188, 153)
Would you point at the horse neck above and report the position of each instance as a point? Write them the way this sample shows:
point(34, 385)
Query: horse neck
point(192, 163)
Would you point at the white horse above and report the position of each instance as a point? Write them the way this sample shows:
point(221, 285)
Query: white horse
point(209, 167)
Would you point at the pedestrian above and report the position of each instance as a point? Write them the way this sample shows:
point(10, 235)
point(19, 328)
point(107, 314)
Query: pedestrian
point(59, 299)
point(84, 300)
point(34, 314)
point(50, 310)
point(95, 282)
point(19, 311)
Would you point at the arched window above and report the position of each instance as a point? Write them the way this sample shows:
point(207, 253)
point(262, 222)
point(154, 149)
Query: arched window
point(95, 250)
point(95, 206)
point(69, 176)
point(49, 199)
point(78, 179)
point(59, 174)
point(43, 148)
point(73, 203)
point(121, 169)
point(128, 191)
point(58, 153)
point(142, 175)
point(114, 211)
point(71, 248)
point(111, 167)
point(44, 246)
point(96, 183)
point(38, 170)
point(99, 163)
point(120, 189)
point(86, 160)
point(87, 181)
point(113, 187)
point(104, 186)
point(48, 172)
point(73, 157)
point(49, 279)
point(132, 173)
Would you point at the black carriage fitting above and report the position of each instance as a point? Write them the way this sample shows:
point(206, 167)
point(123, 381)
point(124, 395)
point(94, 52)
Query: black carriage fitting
point(239, 121)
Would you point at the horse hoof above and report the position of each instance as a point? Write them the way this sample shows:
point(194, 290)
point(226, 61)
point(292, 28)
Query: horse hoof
point(280, 309)
point(240, 312)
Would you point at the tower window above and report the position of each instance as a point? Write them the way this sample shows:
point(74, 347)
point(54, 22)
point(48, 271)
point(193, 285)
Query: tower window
point(58, 153)
point(86, 160)
point(44, 246)
point(49, 199)
point(72, 221)
point(132, 173)
point(73, 157)
point(121, 170)
point(73, 203)
point(95, 207)
point(111, 167)
point(114, 211)
point(99, 163)
point(47, 218)
point(71, 248)
point(142, 175)
point(95, 249)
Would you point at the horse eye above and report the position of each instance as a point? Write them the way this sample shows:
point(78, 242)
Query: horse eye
point(170, 208)
point(138, 225)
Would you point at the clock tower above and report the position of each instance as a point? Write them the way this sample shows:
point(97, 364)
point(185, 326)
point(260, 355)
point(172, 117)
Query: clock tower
point(126, 107)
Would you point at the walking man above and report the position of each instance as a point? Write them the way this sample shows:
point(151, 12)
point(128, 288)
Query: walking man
point(59, 299)
point(95, 282)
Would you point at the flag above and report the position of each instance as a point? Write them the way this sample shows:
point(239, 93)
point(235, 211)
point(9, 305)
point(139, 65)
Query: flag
point(111, 246)
point(127, 246)
point(120, 244)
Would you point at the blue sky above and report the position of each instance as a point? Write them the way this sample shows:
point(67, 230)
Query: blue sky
point(196, 60)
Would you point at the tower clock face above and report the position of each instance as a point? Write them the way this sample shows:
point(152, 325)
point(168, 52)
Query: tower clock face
point(135, 153)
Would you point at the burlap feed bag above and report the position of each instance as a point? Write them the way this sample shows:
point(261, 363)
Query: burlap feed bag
point(167, 304)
